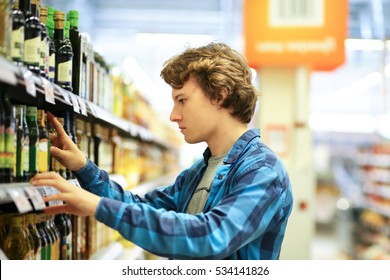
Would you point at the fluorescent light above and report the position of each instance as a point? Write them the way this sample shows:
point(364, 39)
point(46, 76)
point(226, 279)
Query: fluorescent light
point(366, 44)
point(338, 122)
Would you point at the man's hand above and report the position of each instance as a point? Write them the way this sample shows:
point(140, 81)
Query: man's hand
point(77, 201)
point(63, 148)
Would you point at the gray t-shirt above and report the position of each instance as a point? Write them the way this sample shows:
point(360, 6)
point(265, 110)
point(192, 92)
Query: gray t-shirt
point(201, 194)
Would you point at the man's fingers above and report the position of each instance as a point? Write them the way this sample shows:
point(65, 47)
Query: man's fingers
point(57, 209)
point(57, 125)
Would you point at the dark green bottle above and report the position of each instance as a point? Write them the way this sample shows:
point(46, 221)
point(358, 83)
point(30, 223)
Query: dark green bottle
point(31, 117)
point(9, 137)
point(20, 137)
point(60, 223)
point(17, 36)
point(75, 39)
point(64, 53)
point(52, 47)
point(45, 238)
point(32, 37)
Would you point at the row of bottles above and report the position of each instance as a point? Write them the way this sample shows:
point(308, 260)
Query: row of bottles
point(36, 236)
point(51, 237)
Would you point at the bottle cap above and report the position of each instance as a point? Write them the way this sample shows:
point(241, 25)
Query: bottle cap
point(73, 17)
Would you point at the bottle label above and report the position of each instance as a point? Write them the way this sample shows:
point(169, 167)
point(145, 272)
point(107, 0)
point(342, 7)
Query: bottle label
point(42, 56)
point(17, 41)
point(9, 148)
point(65, 72)
point(32, 50)
point(52, 67)
point(26, 155)
point(43, 155)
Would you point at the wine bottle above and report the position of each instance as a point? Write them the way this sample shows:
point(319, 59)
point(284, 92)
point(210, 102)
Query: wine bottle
point(17, 36)
point(20, 137)
point(56, 235)
point(42, 154)
point(52, 48)
point(76, 41)
point(64, 53)
point(35, 11)
point(31, 117)
point(69, 237)
point(31, 220)
point(26, 147)
point(62, 228)
point(32, 37)
point(45, 42)
point(9, 139)
point(45, 239)
point(5, 28)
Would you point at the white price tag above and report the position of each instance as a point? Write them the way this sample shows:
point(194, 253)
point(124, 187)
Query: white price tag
point(83, 107)
point(75, 102)
point(20, 200)
point(7, 72)
point(29, 83)
point(48, 191)
point(49, 91)
point(35, 197)
point(92, 108)
point(64, 94)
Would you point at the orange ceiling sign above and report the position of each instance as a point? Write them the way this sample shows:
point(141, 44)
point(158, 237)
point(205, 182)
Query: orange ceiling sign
point(295, 32)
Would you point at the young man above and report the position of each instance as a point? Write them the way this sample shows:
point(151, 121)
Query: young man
point(233, 203)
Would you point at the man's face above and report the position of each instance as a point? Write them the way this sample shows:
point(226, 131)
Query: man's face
point(195, 114)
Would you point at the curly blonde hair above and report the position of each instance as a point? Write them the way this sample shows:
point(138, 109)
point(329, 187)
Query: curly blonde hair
point(216, 66)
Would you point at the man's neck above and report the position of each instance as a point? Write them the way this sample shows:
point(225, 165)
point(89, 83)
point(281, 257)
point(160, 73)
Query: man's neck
point(225, 137)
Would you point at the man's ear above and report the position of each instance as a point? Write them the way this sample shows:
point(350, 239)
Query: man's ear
point(222, 95)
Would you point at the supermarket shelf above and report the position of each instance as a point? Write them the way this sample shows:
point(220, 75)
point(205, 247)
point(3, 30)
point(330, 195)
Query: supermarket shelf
point(112, 252)
point(28, 88)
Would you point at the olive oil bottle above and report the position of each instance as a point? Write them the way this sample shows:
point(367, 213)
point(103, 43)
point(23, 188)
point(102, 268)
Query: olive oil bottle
point(15, 245)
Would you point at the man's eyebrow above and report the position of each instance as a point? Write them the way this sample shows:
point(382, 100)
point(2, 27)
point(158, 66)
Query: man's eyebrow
point(178, 95)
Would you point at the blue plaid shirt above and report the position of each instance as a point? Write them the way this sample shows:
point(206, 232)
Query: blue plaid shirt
point(245, 216)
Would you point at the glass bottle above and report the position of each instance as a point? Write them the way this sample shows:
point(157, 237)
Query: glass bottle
point(52, 48)
point(31, 220)
point(29, 237)
point(61, 169)
point(9, 139)
point(15, 245)
point(35, 11)
point(43, 147)
point(56, 234)
point(17, 36)
point(45, 238)
point(20, 137)
point(45, 42)
point(75, 39)
point(62, 228)
point(69, 237)
point(5, 28)
point(31, 117)
point(64, 53)
point(32, 37)
point(26, 147)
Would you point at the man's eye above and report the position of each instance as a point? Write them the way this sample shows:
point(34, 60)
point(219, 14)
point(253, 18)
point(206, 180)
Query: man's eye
point(181, 101)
